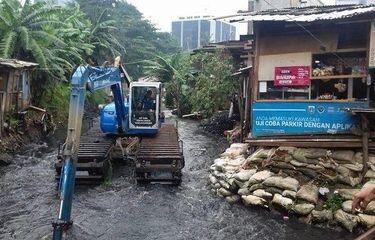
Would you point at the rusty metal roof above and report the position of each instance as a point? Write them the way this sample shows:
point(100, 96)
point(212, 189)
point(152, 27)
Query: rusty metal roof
point(304, 14)
point(14, 63)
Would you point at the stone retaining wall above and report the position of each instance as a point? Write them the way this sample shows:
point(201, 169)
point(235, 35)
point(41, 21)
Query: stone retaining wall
point(317, 185)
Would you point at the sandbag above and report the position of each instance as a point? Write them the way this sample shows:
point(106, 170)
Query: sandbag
point(308, 193)
point(224, 192)
point(289, 194)
point(298, 164)
point(284, 202)
point(347, 220)
point(235, 150)
point(232, 199)
point(316, 153)
point(303, 209)
point(262, 194)
point(256, 187)
point(282, 183)
point(352, 181)
point(260, 176)
point(370, 209)
point(244, 175)
point(243, 191)
point(321, 216)
point(251, 200)
point(213, 180)
point(357, 167)
point(367, 220)
point(358, 157)
point(347, 194)
point(347, 206)
point(343, 155)
point(370, 174)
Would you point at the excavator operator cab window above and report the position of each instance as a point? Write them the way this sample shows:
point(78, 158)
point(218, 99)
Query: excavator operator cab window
point(143, 106)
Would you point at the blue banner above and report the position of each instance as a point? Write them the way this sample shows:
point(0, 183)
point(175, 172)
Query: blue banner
point(282, 118)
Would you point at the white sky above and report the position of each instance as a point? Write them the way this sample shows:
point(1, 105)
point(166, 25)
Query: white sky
point(163, 12)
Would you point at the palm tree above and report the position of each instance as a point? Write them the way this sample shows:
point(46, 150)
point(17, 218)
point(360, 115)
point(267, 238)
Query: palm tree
point(102, 37)
point(23, 30)
point(173, 72)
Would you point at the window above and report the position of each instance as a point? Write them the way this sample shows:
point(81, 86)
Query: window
point(143, 106)
point(339, 76)
point(268, 91)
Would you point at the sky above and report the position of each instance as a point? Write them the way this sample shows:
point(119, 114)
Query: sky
point(163, 12)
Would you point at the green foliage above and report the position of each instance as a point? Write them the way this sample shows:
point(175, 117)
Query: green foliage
point(132, 31)
point(59, 38)
point(173, 71)
point(200, 82)
point(213, 83)
point(334, 202)
point(96, 98)
point(56, 100)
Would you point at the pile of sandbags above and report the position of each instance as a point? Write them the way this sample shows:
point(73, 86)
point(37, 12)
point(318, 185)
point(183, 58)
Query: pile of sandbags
point(343, 166)
point(267, 178)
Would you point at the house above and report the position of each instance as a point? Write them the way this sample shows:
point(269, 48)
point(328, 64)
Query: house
point(14, 87)
point(309, 65)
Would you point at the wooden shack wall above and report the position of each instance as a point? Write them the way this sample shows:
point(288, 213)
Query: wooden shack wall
point(11, 92)
point(288, 41)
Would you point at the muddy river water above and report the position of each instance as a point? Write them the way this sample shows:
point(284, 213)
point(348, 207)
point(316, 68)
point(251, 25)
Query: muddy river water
point(123, 210)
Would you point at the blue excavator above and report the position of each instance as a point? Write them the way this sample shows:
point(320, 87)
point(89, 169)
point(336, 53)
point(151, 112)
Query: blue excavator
point(158, 153)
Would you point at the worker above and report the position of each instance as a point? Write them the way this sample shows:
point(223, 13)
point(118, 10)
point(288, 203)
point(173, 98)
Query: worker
point(364, 197)
point(148, 102)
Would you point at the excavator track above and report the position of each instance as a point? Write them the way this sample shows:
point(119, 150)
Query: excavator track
point(160, 157)
point(93, 161)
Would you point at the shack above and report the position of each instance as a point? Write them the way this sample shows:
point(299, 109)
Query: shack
point(14, 87)
point(310, 64)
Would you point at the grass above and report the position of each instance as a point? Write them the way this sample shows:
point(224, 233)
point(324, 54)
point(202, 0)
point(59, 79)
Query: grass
point(334, 202)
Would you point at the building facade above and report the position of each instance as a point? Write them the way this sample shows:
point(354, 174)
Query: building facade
point(194, 32)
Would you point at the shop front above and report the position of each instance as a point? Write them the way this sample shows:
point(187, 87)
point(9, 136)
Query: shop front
point(306, 78)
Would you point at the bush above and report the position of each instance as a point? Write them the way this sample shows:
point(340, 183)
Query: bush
point(334, 202)
point(213, 83)
point(56, 98)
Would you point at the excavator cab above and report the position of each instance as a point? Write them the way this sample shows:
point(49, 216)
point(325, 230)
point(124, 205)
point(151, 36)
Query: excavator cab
point(144, 107)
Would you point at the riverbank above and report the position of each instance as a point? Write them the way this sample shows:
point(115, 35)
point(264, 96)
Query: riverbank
point(29, 203)
point(315, 186)
point(29, 127)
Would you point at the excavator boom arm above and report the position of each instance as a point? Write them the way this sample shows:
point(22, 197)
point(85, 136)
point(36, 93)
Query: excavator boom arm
point(93, 78)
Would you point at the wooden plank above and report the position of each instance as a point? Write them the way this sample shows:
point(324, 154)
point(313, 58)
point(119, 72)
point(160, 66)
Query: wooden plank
point(339, 77)
point(369, 235)
point(308, 144)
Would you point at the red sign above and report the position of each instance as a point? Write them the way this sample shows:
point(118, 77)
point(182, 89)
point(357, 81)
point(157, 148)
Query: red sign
point(292, 76)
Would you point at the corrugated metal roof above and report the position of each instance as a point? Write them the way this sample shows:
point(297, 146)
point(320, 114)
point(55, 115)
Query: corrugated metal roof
point(14, 63)
point(304, 14)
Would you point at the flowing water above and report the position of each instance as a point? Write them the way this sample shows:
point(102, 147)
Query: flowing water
point(123, 210)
